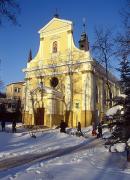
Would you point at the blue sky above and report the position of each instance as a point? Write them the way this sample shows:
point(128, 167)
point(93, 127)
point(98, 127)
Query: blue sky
point(15, 42)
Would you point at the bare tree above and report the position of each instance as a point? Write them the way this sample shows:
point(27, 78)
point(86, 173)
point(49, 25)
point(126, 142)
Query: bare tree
point(8, 10)
point(53, 74)
point(103, 51)
point(126, 15)
point(123, 39)
point(69, 67)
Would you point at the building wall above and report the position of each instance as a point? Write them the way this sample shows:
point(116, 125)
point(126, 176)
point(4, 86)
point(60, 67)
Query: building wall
point(14, 90)
point(79, 94)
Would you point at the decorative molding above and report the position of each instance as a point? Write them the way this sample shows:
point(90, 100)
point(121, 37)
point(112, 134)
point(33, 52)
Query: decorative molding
point(55, 37)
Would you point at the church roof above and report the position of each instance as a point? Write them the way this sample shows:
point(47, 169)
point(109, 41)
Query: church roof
point(53, 20)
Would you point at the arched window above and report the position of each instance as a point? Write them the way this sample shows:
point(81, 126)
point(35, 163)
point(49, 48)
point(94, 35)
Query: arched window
point(54, 47)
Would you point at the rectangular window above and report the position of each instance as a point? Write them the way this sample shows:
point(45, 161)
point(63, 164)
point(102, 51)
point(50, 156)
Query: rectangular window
point(17, 90)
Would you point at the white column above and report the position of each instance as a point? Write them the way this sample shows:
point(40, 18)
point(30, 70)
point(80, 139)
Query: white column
point(27, 95)
point(88, 91)
point(68, 93)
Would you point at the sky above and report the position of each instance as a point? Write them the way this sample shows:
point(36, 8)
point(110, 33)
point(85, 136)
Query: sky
point(16, 41)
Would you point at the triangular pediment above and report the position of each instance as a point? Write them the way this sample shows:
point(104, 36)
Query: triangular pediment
point(55, 23)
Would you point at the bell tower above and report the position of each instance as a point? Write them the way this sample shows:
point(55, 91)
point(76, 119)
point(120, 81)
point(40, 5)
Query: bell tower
point(83, 42)
point(30, 56)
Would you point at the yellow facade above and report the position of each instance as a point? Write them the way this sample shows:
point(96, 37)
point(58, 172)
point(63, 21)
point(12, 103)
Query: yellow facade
point(62, 80)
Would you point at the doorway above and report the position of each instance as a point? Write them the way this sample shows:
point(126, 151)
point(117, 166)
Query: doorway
point(39, 119)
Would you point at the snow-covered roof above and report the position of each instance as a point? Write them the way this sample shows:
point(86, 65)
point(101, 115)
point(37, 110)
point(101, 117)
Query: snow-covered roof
point(122, 95)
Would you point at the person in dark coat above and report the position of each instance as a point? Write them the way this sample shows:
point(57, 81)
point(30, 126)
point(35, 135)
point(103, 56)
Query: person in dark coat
point(99, 130)
point(94, 128)
point(79, 132)
point(14, 126)
point(3, 125)
point(128, 152)
point(79, 127)
point(63, 126)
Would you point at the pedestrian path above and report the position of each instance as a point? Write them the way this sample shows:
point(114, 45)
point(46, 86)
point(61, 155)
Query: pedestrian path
point(33, 157)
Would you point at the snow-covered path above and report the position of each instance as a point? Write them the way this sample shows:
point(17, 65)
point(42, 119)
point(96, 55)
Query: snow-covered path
point(12, 162)
point(54, 155)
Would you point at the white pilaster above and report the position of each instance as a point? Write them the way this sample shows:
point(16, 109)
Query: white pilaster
point(68, 92)
point(87, 91)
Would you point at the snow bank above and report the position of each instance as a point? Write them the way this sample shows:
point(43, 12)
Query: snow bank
point(122, 95)
point(118, 147)
point(112, 111)
point(106, 135)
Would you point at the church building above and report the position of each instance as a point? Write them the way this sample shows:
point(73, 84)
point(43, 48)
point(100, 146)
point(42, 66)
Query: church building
point(63, 82)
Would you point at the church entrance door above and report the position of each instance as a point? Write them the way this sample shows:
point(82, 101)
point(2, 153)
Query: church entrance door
point(40, 116)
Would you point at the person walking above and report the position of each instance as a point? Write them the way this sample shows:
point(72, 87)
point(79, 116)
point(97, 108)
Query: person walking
point(3, 125)
point(79, 132)
point(99, 130)
point(79, 127)
point(63, 126)
point(14, 126)
point(94, 128)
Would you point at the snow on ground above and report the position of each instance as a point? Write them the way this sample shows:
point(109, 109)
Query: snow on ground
point(118, 147)
point(61, 156)
point(106, 133)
